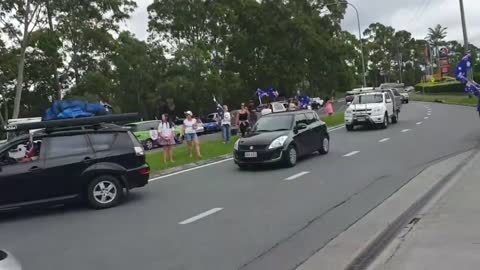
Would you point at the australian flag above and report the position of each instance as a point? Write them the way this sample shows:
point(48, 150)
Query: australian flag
point(304, 101)
point(260, 93)
point(463, 68)
point(272, 93)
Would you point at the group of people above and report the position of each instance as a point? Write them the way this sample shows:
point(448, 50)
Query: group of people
point(166, 136)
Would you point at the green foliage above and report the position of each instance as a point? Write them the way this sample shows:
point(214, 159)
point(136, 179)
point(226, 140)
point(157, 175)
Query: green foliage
point(448, 87)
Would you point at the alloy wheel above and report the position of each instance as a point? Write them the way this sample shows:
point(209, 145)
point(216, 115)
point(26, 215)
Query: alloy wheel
point(105, 192)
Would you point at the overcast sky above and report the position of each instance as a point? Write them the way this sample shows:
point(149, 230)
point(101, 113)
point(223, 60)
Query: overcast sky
point(415, 16)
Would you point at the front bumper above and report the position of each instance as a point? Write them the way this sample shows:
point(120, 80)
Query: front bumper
point(364, 119)
point(138, 177)
point(267, 156)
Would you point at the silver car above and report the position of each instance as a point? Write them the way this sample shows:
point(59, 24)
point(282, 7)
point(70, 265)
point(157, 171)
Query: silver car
point(8, 262)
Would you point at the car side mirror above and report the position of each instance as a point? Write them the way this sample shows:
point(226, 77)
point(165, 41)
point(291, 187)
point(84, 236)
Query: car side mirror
point(301, 126)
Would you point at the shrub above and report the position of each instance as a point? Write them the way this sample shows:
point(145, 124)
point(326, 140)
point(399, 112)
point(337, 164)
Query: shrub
point(451, 87)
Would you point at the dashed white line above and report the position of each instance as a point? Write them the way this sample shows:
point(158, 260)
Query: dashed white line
point(406, 130)
point(351, 154)
point(200, 216)
point(426, 117)
point(384, 140)
point(295, 176)
point(419, 123)
point(429, 114)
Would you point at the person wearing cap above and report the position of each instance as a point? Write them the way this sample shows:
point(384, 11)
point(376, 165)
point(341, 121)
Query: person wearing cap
point(190, 133)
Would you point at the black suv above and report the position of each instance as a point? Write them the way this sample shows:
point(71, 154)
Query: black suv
point(98, 163)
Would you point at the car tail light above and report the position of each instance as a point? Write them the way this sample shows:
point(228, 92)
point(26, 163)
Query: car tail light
point(139, 151)
point(145, 171)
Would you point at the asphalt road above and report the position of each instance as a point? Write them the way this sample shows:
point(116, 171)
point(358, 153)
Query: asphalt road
point(218, 217)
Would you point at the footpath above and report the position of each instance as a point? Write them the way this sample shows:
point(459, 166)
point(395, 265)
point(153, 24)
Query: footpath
point(446, 235)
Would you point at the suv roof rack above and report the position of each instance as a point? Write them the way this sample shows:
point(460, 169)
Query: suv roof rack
point(74, 123)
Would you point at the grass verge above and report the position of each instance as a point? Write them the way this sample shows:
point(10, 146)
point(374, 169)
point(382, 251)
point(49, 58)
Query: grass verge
point(334, 120)
point(447, 99)
point(211, 149)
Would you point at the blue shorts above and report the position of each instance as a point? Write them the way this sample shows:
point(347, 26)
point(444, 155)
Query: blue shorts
point(191, 137)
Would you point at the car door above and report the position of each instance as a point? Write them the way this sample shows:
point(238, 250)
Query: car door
point(389, 104)
point(67, 157)
point(315, 126)
point(21, 181)
point(301, 136)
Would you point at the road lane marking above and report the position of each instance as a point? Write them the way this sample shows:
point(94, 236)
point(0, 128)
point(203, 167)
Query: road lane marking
point(189, 170)
point(351, 154)
point(200, 216)
point(426, 117)
point(384, 140)
point(406, 130)
point(419, 123)
point(429, 114)
point(295, 176)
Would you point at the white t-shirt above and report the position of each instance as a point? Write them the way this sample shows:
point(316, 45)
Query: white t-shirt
point(165, 129)
point(227, 119)
point(190, 126)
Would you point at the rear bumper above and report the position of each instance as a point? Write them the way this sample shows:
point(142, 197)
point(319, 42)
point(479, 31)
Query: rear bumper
point(263, 157)
point(138, 177)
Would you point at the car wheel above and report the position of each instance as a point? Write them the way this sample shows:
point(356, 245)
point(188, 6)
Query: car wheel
point(349, 127)
point(104, 192)
point(407, 101)
point(149, 144)
point(291, 156)
point(384, 125)
point(325, 146)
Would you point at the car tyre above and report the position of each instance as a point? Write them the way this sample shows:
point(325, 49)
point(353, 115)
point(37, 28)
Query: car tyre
point(384, 125)
point(291, 156)
point(325, 146)
point(349, 127)
point(407, 101)
point(395, 118)
point(104, 191)
point(149, 144)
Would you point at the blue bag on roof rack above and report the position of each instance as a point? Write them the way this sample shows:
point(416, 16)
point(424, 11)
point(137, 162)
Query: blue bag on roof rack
point(75, 109)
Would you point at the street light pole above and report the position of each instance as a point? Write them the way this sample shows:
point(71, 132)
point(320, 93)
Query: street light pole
point(359, 37)
point(464, 27)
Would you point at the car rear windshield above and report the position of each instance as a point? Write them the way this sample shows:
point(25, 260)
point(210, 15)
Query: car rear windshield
point(274, 123)
point(366, 99)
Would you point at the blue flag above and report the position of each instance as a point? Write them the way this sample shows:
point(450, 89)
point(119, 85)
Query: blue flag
point(272, 93)
point(463, 68)
point(304, 101)
point(260, 93)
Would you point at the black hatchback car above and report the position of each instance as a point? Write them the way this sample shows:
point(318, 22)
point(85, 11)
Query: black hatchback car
point(99, 164)
point(282, 138)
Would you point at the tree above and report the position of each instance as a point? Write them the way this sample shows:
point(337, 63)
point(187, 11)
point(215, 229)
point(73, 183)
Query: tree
point(436, 38)
point(19, 19)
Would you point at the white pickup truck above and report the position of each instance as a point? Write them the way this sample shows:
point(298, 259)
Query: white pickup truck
point(373, 108)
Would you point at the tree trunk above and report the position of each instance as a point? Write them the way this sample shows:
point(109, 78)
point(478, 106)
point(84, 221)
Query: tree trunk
point(21, 63)
point(56, 82)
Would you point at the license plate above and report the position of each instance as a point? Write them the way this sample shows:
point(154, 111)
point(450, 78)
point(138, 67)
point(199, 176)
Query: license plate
point(361, 119)
point(250, 154)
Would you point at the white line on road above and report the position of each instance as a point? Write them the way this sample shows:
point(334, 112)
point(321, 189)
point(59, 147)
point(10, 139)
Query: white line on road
point(295, 176)
point(406, 130)
point(384, 140)
point(351, 154)
point(200, 216)
point(419, 123)
point(426, 117)
point(429, 114)
point(189, 170)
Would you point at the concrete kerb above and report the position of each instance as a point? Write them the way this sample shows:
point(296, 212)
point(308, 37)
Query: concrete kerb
point(359, 245)
point(208, 161)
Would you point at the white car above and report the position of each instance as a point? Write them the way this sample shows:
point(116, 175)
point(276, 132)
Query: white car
point(8, 262)
point(405, 96)
point(371, 109)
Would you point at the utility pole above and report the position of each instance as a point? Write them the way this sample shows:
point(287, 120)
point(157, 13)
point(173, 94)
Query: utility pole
point(464, 26)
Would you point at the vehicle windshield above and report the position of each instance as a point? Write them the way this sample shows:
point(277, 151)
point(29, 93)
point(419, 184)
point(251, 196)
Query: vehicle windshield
point(366, 99)
point(274, 123)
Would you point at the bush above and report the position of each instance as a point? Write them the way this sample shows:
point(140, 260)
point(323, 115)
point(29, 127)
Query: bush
point(451, 87)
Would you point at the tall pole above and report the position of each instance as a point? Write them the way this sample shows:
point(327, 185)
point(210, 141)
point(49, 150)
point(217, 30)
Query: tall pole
point(464, 27)
point(364, 75)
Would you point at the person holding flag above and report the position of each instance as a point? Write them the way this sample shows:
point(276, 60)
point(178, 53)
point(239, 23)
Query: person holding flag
point(461, 73)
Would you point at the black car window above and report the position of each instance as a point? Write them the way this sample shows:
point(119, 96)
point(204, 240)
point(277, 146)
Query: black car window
point(21, 152)
point(311, 118)
point(67, 146)
point(300, 118)
point(102, 141)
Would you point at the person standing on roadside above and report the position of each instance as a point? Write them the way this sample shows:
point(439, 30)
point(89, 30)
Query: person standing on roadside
point(242, 119)
point(329, 106)
point(166, 133)
point(226, 122)
point(190, 133)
